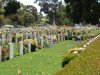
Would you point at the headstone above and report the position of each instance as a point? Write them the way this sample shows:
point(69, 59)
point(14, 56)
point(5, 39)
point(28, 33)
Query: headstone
point(51, 41)
point(34, 34)
point(3, 39)
point(26, 35)
point(29, 45)
point(37, 40)
point(0, 54)
point(42, 42)
point(10, 38)
point(22, 36)
point(61, 37)
point(11, 53)
point(58, 37)
point(31, 35)
point(16, 38)
point(21, 48)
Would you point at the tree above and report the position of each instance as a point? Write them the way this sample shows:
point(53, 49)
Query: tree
point(49, 7)
point(1, 14)
point(11, 7)
point(83, 11)
point(28, 19)
point(32, 10)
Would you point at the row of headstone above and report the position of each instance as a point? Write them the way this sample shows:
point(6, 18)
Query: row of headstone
point(39, 36)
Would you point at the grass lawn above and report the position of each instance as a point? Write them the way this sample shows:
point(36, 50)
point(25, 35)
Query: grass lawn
point(45, 61)
point(88, 63)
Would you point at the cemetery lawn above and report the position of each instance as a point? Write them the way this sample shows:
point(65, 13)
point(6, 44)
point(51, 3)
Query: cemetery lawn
point(88, 63)
point(45, 61)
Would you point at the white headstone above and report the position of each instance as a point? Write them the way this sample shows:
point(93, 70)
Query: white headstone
point(26, 35)
point(21, 48)
point(0, 54)
point(42, 42)
point(29, 45)
point(10, 38)
point(22, 36)
point(58, 37)
point(34, 34)
point(16, 38)
point(62, 37)
point(11, 53)
point(3, 39)
point(31, 35)
point(51, 41)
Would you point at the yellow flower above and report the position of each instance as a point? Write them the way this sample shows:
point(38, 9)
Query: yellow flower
point(1, 32)
point(33, 41)
point(54, 37)
point(74, 49)
point(18, 35)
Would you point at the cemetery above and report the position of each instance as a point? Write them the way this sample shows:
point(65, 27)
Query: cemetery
point(49, 37)
point(19, 46)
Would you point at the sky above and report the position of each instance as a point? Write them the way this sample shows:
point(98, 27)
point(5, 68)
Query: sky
point(30, 2)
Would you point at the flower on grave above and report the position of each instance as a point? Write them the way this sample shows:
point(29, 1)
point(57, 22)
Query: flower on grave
point(78, 49)
point(18, 35)
point(33, 41)
point(13, 34)
point(1, 32)
point(54, 37)
point(4, 53)
point(4, 50)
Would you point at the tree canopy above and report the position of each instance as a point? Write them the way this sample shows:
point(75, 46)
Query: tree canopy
point(86, 11)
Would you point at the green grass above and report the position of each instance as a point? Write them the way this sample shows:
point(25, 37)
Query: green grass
point(45, 61)
point(88, 63)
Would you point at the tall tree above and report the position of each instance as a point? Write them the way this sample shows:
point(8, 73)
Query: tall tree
point(11, 7)
point(49, 7)
point(32, 10)
point(1, 14)
point(83, 11)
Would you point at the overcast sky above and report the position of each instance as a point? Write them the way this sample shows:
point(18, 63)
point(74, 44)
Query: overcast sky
point(31, 2)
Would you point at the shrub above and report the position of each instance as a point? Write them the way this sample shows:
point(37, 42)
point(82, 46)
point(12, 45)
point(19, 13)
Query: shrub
point(68, 58)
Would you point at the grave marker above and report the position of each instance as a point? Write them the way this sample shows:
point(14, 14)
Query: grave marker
point(21, 48)
point(11, 54)
point(0, 54)
point(29, 45)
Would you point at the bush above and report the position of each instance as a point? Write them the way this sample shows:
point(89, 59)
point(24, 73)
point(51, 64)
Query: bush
point(68, 58)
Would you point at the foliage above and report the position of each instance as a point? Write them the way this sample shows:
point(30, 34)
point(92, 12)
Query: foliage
point(54, 9)
point(28, 18)
point(15, 13)
point(1, 20)
point(11, 7)
point(32, 10)
point(86, 11)
point(67, 59)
